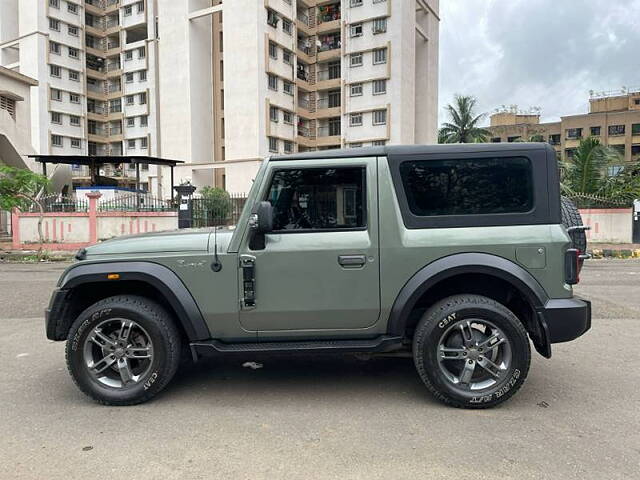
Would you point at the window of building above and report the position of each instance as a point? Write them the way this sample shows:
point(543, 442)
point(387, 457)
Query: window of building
point(54, 47)
point(513, 138)
point(54, 24)
point(616, 130)
point(379, 1)
point(55, 71)
point(379, 143)
point(379, 87)
point(74, 52)
point(142, 52)
point(73, 75)
point(273, 50)
point(128, 77)
point(56, 95)
point(355, 30)
point(355, 145)
point(54, 3)
point(379, 25)
point(131, 144)
point(318, 199)
point(595, 131)
point(379, 56)
point(635, 129)
point(142, 76)
point(356, 89)
point(272, 18)
point(355, 119)
point(72, 8)
point(143, 143)
point(273, 114)
point(8, 104)
point(288, 146)
point(636, 101)
point(128, 10)
point(288, 87)
point(56, 118)
point(130, 99)
point(574, 133)
point(75, 143)
point(140, 7)
point(143, 98)
point(379, 117)
point(286, 57)
point(144, 120)
point(72, 30)
point(355, 59)
point(287, 117)
point(128, 55)
point(287, 26)
point(496, 140)
point(273, 82)
point(554, 139)
point(56, 140)
point(468, 186)
point(356, 3)
point(74, 98)
point(74, 120)
point(635, 151)
point(131, 122)
point(273, 144)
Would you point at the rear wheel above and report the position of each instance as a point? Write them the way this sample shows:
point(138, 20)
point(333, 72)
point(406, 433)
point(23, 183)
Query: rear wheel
point(471, 351)
point(123, 350)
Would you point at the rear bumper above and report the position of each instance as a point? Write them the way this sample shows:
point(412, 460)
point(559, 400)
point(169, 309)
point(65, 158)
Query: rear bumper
point(566, 319)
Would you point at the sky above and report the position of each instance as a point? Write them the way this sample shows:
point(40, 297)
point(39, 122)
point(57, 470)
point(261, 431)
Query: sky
point(537, 53)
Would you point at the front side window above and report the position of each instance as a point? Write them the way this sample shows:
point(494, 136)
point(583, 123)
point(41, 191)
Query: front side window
point(318, 199)
point(468, 187)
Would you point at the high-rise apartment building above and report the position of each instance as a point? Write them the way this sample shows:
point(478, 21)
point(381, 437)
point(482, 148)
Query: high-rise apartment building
point(244, 79)
point(95, 64)
point(613, 118)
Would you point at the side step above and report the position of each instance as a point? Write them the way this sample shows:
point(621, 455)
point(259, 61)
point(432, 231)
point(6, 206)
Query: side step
point(379, 344)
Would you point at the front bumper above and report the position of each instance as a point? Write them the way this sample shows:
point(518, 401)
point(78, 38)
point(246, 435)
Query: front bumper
point(565, 319)
point(54, 312)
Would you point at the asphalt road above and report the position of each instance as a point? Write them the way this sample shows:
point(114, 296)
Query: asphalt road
point(577, 416)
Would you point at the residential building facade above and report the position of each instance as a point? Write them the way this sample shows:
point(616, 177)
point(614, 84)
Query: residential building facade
point(95, 62)
point(283, 76)
point(613, 118)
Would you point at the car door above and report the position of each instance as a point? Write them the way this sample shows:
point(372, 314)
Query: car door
point(318, 273)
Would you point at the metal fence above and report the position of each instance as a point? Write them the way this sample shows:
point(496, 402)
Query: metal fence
point(60, 203)
point(223, 210)
point(136, 203)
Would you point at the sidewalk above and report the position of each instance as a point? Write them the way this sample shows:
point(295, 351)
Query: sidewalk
point(614, 250)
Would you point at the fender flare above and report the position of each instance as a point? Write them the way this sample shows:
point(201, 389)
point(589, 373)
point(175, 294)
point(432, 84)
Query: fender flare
point(462, 263)
point(158, 276)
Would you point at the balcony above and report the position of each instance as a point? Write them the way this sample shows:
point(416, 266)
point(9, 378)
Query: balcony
point(329, 13)
point(331, 130)
point(329, 42)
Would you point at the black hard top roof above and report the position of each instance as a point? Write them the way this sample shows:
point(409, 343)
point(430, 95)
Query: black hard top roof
point(392, 150)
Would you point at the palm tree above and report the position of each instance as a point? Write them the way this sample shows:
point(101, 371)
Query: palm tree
point(463, 124)
point(589, 179)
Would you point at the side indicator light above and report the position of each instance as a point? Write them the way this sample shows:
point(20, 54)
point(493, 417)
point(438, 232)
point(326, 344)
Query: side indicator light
point(113, 276)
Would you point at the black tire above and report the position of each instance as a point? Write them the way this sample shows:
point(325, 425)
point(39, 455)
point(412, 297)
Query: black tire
point(444, 317)
point(571, 218)
point(164, 345)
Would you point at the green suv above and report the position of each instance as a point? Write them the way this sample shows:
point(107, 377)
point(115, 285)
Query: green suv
point(457, 254)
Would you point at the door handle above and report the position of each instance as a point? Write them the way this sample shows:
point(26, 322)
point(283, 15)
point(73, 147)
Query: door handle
point(352, 260)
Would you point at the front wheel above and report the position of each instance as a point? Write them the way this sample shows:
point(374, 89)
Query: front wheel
point(123, 350)
point(471, 351)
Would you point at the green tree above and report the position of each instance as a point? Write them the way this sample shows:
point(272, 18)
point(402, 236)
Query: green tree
point(217, 202)
point(592, 176)
point(19, 188)
point(462, 126)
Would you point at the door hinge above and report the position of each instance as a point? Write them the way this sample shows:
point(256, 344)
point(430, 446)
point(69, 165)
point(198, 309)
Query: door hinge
point(248, 265)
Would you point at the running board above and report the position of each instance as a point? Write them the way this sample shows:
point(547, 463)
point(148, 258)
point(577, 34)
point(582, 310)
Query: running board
point(380, 344)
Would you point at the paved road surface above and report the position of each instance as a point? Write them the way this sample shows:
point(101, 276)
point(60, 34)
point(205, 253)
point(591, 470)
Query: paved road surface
point(577, 416)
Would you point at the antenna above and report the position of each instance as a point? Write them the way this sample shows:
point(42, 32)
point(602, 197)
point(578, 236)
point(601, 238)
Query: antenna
point(216, 266)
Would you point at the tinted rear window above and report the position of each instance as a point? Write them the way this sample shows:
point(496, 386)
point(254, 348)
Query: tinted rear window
point(468, 187)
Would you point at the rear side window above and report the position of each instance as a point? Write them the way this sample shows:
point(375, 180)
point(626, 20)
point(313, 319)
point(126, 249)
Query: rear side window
point(318, 199)
point(469, 186)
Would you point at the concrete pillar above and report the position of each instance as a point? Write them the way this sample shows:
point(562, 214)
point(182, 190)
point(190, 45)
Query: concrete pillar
point(93, 216)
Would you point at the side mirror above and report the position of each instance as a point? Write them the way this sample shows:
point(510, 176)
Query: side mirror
point(262, 218)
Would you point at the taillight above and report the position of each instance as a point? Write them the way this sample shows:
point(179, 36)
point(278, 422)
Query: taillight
point(572, 266)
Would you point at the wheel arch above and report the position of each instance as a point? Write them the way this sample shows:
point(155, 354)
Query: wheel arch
point(480, 273)
point(78, 289)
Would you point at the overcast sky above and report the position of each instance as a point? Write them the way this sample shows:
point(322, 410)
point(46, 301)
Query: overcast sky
point(545, 53)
